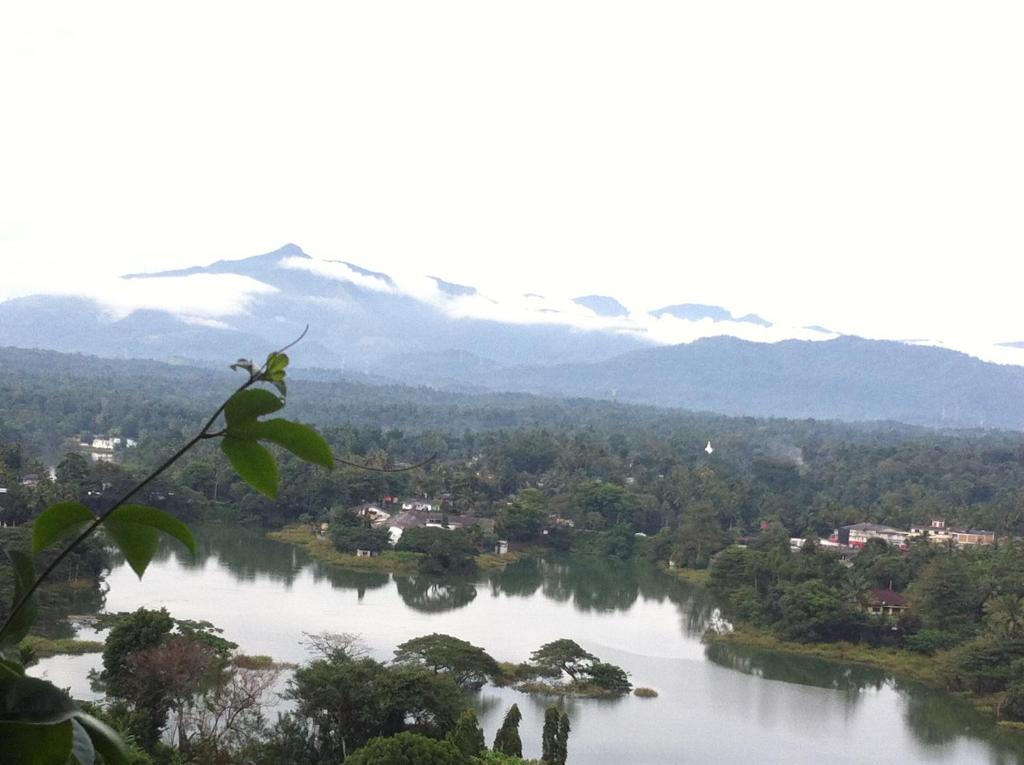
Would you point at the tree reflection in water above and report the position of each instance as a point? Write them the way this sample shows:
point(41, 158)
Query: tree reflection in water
point(803, 670)
point(245, 553)
point(935, 718)
point(431, 595)
point(349, 579)
point(520, 579)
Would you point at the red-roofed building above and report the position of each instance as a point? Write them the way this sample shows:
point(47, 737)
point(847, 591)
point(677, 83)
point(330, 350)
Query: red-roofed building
point(886, 603)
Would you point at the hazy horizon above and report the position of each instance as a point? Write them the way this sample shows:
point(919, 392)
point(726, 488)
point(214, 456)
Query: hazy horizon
point(851, 167)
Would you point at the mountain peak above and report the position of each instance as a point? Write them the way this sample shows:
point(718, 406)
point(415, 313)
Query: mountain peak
point(379, 275)
point(290, 250)
point(699, 311)
point(602, 305)
point(237, 265)
point(453, 289)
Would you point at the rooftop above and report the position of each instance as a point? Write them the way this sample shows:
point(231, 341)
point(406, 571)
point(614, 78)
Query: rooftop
point(883, 597)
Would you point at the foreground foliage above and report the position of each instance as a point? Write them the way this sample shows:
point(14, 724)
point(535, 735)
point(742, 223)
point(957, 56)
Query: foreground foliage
point(40, 724)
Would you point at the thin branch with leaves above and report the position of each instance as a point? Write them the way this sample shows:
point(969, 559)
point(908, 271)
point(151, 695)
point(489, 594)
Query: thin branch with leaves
point(39, 724)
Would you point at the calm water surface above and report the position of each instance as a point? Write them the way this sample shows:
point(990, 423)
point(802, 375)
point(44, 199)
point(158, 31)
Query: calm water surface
point(716, 704)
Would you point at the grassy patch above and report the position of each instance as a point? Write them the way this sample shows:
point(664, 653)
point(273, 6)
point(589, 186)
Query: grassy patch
point(700, 576)
point(645, 693)
point(244, 661)
point(323, 550)
point(43, 647)
point(584, 691)
point(492, 562)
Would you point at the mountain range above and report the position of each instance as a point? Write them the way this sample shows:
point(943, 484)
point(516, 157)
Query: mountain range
point(429, 331)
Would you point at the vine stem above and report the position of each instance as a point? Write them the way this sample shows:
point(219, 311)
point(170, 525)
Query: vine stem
point(204, 433)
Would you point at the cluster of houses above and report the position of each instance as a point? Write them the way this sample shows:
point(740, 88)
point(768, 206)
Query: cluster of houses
point(847, 541)
point(420, 513)
point(858, 534)
point(105, 448)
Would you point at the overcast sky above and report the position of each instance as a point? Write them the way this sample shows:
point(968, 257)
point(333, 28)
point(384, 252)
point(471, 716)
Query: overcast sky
point(858, 165)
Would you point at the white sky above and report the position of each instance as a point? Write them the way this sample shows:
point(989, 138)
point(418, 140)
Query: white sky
point(858, 165)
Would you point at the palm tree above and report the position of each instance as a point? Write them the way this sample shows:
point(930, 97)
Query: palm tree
point(1004, 616)
point(857, 589)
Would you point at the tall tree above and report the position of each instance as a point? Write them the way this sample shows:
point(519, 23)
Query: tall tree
point(507, 740)
point(468, 665)
point(1004, 616)
point(561, 751)
point(563, 655)
point(549, 736)
point(467, 735)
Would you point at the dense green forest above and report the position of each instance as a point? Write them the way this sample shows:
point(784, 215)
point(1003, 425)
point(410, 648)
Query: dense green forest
point(600, 464)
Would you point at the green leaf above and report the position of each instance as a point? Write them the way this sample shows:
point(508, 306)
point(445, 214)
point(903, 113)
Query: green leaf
point(159, 520)
point(24, 744)
point(81, 745)
point(58, 520)
point(300, 440)
point(138, 543)
point(253, 463)
point(136, 530)
point(104, 739)
point(31, 700)
point(21, 621)
point(246, 405)
point(276, 364)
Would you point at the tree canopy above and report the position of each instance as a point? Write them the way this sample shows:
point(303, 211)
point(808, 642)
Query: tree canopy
point(468, 665)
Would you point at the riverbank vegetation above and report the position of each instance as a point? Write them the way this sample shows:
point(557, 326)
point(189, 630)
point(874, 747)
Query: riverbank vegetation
point(179, 693)
point(960, 624)
point(322, 548)
point(486, 451)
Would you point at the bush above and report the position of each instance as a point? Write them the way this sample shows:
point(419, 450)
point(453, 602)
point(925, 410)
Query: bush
point(1012, 707)
point(408, 749)
point(645, 693)
point(814, 612)
point(983, 665)
point(609, 677)
point(930, 641)
point(447, 552)
point(348, 539)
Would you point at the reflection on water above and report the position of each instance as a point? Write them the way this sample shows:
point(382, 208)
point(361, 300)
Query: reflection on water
point(717, 703)
point(595, 585)
point(789, 668)
point(936, 719)
point(432, 595)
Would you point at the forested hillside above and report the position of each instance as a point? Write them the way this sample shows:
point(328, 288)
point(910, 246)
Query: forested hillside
point(486, 449)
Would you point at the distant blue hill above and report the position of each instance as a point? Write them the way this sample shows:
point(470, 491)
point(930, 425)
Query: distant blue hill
point(351, 326)
point(848, 378)
point(699, 312)
point(384, 334)
point(602, 305)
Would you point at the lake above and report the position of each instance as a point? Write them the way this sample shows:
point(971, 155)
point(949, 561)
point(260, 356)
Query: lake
point(716, 704)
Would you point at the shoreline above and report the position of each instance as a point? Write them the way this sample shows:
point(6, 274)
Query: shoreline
point(913, 666)
point(916, 667)
point(390, 561)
